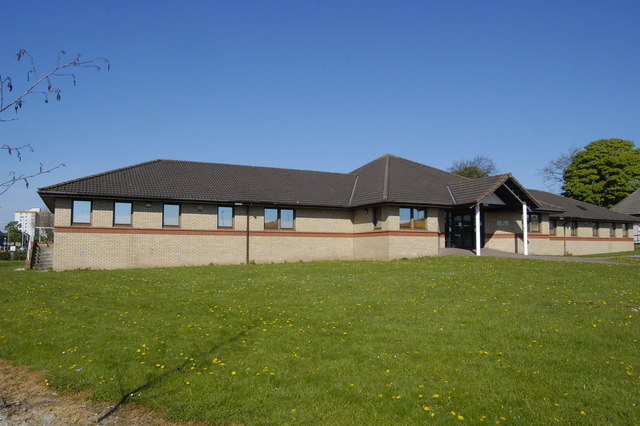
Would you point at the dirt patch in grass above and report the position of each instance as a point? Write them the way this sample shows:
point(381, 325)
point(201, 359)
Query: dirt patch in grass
point(25, 399)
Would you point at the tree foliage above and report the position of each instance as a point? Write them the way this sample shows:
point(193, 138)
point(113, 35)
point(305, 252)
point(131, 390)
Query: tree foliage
point(14, 234)
point(44, 86)
point(603, 173)
point(477, 167)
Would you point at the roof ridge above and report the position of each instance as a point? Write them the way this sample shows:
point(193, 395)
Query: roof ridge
point(45, 188)
point(258, 167)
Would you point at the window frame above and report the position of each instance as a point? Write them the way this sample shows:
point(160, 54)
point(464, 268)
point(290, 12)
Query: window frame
point(412, 220)
point(233, 217)
point(574, 228)
point(612, 230)
point(278, 222)
point(73, 212)
point(115, 203)
point(376, 218)
point(538, 222)
point(553, 226)
point(164, 224)
point(595, 229)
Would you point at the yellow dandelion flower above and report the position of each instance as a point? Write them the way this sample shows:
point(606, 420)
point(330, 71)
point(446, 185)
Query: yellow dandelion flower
point(435, 395)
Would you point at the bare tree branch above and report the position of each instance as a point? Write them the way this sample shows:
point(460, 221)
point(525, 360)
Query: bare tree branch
point(15, 178)
point(553, 173)
point(61, 70)
point(18, 101)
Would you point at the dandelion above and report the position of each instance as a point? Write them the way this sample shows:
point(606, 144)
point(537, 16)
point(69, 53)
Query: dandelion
point(435, 395)
point(233, 373)
point(426, 408)
point(583, 413)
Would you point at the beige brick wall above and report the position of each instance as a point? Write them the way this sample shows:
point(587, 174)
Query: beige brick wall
point(116, 251)
point(375, 247)
point(147, 215)
point(412, 246)
point(62, 212)
point(266, 249)
point(154, 246)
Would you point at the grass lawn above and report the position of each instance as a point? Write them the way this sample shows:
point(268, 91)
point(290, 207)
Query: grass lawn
point(443, 339)
point(620, 257)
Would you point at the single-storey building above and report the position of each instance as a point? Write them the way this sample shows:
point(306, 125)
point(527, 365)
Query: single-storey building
point(631, 206)
point(175, 213)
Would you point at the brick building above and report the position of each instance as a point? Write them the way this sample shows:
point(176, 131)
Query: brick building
point(175, 213)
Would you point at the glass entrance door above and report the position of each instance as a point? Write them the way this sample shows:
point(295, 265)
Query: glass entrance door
point(460, 230)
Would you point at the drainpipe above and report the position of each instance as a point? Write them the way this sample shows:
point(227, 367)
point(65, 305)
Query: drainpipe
point(525, 229)
point(478, 229)
point(247, 234)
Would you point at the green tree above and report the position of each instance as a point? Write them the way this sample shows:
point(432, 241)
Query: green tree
point(478, 167)
point(603, 173)
point(13, 232)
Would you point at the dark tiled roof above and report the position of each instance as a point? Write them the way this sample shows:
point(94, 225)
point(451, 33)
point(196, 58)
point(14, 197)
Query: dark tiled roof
point(388, 179)
point(630, 205)
point(393, 179)
point(212, 182)
point(575, 209)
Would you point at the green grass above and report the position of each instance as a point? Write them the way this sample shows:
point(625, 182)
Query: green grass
point(528, 341)
point(635, 252)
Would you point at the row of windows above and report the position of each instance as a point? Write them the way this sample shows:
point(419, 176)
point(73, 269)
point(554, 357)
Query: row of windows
point(595, 228)
point(122, 213)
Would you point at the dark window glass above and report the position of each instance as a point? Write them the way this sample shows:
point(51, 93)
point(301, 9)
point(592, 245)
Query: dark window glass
point(552, 226)
point(225, 217)
point(377, 216)
point(612, 230)
point(574, 228)
point(595, 228)
point(122, 214)
point(171, 215)
point(81, 212)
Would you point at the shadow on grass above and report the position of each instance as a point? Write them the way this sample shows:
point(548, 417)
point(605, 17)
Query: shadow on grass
point(178, 369)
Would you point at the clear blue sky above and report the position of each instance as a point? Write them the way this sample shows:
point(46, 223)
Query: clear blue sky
point(322, 85)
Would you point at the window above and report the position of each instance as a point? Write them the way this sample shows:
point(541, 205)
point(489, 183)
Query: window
point(377, 217)
point(574, 228)
point(171, 215)
point(122, 213)
point(534, 222)
point(595, 229)
point(412, 218)
point(278, 218)
point(624, 229)
point(553, 224)
point(225, 217)
point(81, 212)
point(612, 229)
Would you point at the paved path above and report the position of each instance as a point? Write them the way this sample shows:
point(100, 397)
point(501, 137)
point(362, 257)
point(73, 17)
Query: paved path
point(496, 253)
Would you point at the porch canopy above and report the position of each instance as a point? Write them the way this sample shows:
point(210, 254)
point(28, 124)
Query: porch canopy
point(493, 193)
